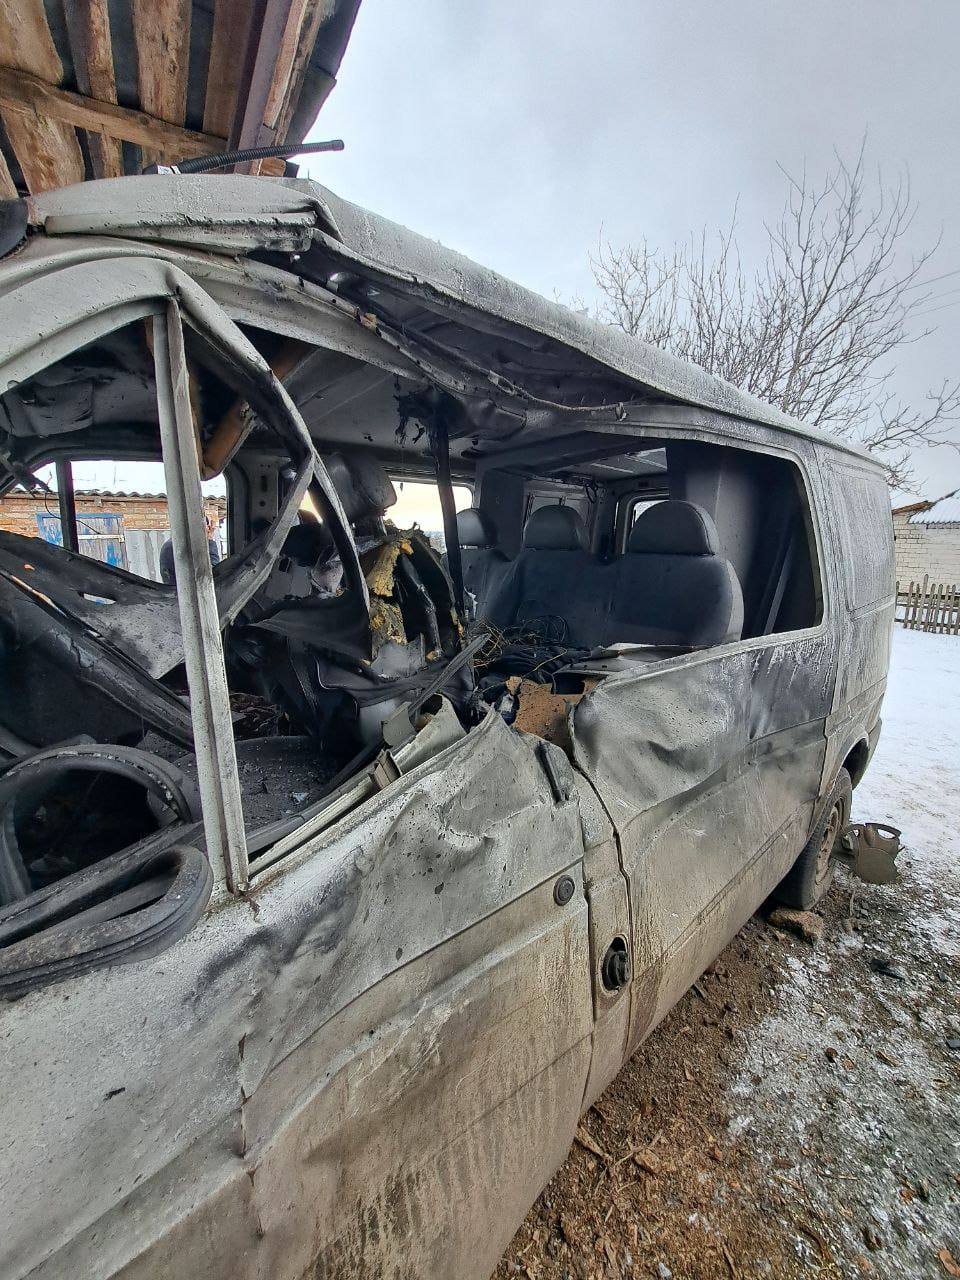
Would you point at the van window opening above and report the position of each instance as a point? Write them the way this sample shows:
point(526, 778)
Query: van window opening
point(717, 546)
point(418, 503)
point(298, 713)
point(121, 512)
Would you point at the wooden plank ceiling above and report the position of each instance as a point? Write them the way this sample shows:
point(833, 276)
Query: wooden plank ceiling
point(102, 88)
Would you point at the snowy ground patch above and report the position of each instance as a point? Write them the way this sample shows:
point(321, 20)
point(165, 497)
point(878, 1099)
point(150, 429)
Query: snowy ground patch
point(851, 1080)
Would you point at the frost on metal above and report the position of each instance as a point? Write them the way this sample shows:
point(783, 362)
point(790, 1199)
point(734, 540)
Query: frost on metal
point(338, 876)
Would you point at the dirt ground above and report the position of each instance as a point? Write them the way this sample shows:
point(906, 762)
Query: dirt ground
point(798, 1113)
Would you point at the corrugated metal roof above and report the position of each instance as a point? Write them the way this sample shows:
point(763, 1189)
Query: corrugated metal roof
point(945, 511)
point(18, 491)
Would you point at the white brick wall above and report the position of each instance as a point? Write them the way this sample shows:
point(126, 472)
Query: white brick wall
point(926, 549)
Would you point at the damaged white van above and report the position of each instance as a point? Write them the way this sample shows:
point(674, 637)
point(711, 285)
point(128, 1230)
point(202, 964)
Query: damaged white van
point(337, 879)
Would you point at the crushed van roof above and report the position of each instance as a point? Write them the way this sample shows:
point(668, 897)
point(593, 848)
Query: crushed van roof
point(241, 214)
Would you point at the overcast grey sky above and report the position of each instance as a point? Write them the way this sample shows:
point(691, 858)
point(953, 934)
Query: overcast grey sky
point(514, 131)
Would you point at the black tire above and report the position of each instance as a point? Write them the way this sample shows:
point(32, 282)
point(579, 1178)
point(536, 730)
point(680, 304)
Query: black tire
point(811, 875)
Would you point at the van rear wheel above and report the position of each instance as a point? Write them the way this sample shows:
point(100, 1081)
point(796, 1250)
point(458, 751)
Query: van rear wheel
point(811, 875)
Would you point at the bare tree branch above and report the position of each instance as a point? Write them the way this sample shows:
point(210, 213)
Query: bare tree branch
point(817, 328)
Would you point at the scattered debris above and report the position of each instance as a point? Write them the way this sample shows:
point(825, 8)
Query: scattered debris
point(880, 964)
point(586, 1141)
point(874, 846)
point(648, 1162)
point(872, 1238)
point(544, 713)
point(805, 924)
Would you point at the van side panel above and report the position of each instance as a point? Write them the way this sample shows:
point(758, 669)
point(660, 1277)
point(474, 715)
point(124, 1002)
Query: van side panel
point(858, 508)
point(709, 766)
point(367, 1066)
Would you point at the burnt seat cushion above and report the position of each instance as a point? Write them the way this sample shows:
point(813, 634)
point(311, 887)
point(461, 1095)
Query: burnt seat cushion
point(674, 587)
point(483, 562)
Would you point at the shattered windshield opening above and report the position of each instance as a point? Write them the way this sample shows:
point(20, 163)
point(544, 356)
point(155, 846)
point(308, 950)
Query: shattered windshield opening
point(331, 617)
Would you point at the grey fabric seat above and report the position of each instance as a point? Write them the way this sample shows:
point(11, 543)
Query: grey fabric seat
point(553, 578)
point(673, 585)
point(483, 562)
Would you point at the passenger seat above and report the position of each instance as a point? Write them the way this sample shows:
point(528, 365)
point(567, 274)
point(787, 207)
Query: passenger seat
point(674, 587)
point(553, 577)
point(483, 562)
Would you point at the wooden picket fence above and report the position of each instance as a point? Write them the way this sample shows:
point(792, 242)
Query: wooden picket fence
point(930, 606)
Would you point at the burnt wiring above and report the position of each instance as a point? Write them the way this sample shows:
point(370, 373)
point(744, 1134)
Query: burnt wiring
point(535, 649)
point(404, 341)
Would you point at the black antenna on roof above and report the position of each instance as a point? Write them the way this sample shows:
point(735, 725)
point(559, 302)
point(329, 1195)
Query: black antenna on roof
point(203, 164)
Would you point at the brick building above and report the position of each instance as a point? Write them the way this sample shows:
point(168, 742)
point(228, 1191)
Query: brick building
point(927, 541)
point(126, 529)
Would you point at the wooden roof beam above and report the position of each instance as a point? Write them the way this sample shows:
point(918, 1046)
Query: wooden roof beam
point(46, 148)
point(231, 36)
point(161, 33)
point(8, 190)
point(283, 109)
point(91, 46)
point(25, 97)
point(269, 61)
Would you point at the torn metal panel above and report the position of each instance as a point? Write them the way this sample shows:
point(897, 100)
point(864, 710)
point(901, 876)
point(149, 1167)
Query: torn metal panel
point(248, 291)
point(62, 678)
point(699, 761)
point(227, 215)
point(419, 268)
point(544, 713)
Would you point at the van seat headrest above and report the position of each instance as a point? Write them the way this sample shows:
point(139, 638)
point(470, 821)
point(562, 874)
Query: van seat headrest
point(362, 482)
point(475, 529)
point(554, 529)
point(674, 528)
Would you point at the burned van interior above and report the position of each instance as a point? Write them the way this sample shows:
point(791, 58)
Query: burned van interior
point(344, 637)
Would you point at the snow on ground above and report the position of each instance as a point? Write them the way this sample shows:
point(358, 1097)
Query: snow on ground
point(914, 777)
point(852, 1074)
